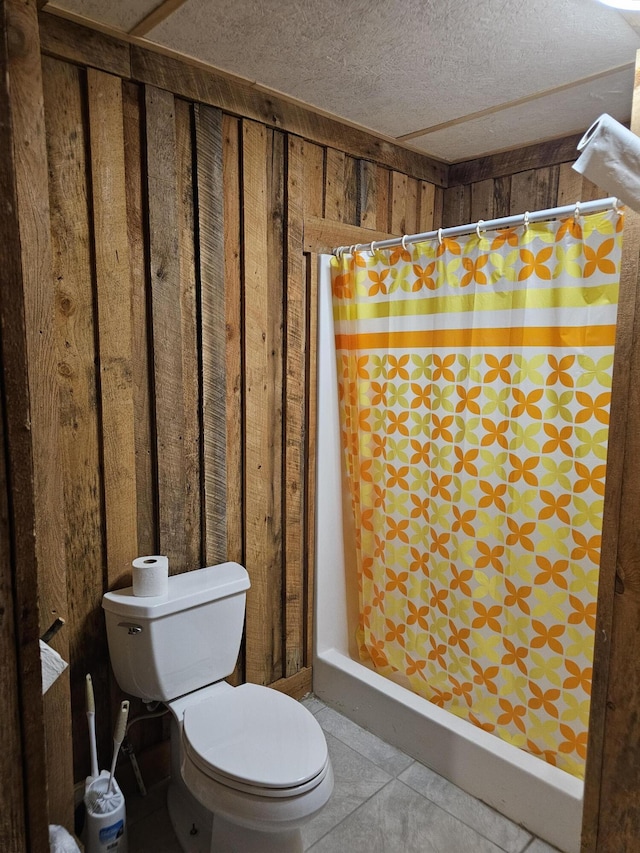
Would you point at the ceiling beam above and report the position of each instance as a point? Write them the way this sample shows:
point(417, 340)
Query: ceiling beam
point(156, 17)
point(537, 156)
point(633, 19)
point(496, 108)
point(67, 36)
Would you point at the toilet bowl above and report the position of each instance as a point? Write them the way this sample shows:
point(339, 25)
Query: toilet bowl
point(254, 758)
point(249, 765)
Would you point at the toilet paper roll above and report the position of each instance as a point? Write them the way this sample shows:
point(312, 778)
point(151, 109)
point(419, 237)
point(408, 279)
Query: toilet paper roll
point(150, 576)
point(60, 841)
point(611, 159)
point(52, 665)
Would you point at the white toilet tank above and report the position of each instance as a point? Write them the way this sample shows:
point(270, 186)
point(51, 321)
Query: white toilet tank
point(164, 646)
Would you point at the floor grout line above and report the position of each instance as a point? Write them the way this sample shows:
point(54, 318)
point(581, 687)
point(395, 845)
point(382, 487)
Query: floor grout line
point(351, 813)
point(364, 755)
point(468, 825)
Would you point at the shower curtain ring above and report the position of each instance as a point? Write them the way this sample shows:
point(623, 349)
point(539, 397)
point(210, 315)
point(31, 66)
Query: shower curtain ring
point(617, 206)
point(352, 249)
point(404, 244)
point(576, 213)
point(372, 247)
point(339, 252)
point(480, 222)
point(440, 236)
point(526, 220)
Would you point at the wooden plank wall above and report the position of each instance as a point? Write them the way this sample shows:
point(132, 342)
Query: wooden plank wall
point(34, 581)
point(185, 322)
point(508, 184)
point(13, 822)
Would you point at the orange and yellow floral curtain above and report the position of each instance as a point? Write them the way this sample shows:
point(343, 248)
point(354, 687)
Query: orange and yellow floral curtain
point(474, 380)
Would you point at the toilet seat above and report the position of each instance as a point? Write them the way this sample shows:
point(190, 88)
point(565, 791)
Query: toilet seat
point(255, 790)
point(256, 740)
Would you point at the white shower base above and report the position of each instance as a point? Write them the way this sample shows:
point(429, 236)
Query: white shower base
point(543, 799)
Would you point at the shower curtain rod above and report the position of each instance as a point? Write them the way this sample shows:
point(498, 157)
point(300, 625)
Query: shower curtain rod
point(577, 209)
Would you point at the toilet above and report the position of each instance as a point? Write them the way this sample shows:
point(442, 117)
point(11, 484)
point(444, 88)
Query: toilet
point(249, 765)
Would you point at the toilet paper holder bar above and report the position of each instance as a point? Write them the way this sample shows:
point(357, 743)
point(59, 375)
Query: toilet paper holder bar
point(52, 630)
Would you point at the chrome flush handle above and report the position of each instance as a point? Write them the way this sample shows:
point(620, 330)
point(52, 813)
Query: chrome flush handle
point(131, 626)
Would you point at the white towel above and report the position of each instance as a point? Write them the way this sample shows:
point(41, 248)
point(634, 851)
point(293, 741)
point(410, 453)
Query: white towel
point(52, 665)
point(611, 159)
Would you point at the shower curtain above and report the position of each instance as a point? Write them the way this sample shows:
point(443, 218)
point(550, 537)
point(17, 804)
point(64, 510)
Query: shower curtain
point(474, 379)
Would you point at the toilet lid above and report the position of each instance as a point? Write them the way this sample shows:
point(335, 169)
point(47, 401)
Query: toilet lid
point(257, 736)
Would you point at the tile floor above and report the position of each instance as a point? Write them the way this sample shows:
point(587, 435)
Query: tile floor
point(383, 802)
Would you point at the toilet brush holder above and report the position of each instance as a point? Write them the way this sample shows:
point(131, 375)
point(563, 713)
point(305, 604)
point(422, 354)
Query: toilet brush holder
point(105, 829)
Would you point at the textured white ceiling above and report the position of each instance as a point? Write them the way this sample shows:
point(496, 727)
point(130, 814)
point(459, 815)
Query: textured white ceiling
point(545, 118)
point(402, 66)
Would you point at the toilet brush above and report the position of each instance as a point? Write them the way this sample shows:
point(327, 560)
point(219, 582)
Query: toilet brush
point(106, 815)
